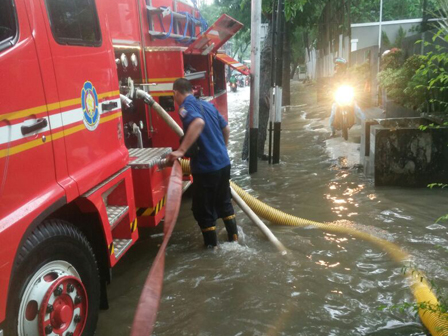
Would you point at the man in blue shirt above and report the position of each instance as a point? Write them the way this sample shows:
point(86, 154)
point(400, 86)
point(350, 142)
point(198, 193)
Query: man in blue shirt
point(205, 128)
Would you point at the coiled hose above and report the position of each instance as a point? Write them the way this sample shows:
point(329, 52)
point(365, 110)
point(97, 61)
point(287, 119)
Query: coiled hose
point(435, 322)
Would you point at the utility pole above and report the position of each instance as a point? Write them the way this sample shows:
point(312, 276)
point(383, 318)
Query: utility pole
point(380, 33)
point(255, 84)
point(349, 17)
point(279, 81)
point(380, 29)
point(273, 67)
point(424, 26)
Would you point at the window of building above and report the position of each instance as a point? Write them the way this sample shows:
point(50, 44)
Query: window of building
point(8, 24)
point(74, 22)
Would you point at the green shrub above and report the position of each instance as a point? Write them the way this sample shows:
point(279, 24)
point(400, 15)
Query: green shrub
point(407, 84)
point(392, 60)
point(434, 76)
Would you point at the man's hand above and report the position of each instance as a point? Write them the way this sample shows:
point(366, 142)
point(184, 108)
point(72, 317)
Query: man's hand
point(173, 156)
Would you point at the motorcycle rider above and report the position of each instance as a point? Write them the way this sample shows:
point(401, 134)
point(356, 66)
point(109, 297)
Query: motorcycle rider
point(340, 78)
point(233, 84)
point(240, 80)
point(232, 79)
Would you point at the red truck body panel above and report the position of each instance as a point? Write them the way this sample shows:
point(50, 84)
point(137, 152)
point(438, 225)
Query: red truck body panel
point(64, 139)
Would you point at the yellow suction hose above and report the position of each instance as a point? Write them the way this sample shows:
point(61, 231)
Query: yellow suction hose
point(435, 322)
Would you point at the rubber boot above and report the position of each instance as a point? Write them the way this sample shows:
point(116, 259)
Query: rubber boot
point(232, 229)
point(210, 237)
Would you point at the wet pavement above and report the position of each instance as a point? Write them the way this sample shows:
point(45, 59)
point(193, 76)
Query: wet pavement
point(330, 284)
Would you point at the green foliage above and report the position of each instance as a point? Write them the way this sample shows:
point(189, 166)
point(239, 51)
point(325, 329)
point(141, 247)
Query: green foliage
point(401, 35)
point(368, 10)
point(441, 294)
point(360, 71)
point(439, 185)
point(359, 75)
point(442, 186)
point(239, 10)
point(392, 60)
point(211, 13)
point(403, 83)
point(433, 75)
point(298, 46)
point(292, 8)
point(442, 219)
point(385, 40)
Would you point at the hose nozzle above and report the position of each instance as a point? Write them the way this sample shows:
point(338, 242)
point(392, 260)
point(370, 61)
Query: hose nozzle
point(140, 94)
point(125, 101)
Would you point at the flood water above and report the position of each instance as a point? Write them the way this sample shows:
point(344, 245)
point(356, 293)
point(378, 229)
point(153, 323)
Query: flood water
point(328, 284)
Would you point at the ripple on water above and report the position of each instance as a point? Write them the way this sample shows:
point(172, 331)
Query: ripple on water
point(436, 226)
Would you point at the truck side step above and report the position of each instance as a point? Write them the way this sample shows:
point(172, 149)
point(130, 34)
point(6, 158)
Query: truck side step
point(150, 180)
point(115, 212)
point(121, 245)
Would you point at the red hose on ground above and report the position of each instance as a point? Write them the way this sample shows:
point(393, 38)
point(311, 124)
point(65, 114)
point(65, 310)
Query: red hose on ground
point(146, 313)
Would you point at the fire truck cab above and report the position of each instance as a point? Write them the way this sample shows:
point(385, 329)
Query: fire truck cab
point(79, 154)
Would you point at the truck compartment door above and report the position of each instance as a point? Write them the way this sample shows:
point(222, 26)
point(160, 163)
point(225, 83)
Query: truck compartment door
point(87, 85)
point(27, 172)
point(226, 59)
point(215, 36)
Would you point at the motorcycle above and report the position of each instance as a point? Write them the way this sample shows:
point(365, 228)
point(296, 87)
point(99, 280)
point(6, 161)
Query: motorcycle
point(233, 87)
point(345, 111)
point(241, 81)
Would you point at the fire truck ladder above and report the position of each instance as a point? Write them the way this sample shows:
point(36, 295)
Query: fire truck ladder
point(180, 22)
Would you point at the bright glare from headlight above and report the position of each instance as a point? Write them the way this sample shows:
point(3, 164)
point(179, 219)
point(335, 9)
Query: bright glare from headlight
point(345, 95)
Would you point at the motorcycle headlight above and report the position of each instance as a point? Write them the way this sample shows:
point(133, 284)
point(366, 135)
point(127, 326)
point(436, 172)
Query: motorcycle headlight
point(345, 95)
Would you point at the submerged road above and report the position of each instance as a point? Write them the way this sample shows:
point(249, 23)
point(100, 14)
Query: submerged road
point(330, 285)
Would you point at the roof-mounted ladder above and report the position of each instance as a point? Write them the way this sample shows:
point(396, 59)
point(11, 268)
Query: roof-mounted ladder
point(177, 19)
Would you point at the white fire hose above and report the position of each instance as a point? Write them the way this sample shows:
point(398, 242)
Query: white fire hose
point(140, 94)
point(258, 222)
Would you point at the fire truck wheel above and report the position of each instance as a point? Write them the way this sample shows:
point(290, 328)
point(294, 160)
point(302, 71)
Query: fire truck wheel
point(55, 289)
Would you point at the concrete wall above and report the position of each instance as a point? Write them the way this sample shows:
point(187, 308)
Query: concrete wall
point(322, 66)
point(311, 61)
point(397, 153)
point(367, 33)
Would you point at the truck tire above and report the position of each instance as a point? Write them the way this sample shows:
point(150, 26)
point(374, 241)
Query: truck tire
point(55, 288)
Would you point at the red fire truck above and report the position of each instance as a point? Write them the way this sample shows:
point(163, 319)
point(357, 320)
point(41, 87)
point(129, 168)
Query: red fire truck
point(79, 153)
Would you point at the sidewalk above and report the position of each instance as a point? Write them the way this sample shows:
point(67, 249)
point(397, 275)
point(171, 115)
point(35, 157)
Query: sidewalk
point(347, 153)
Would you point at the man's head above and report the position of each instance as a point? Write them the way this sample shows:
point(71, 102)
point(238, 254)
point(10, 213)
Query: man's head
point(340, 65)
point(181, 89)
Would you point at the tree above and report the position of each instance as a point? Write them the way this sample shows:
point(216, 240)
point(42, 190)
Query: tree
point(240, 11)
point(298, 13)
point(292, 10)
point(369, 11)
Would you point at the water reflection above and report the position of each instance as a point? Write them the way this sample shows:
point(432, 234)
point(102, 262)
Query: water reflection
point(327, 264)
